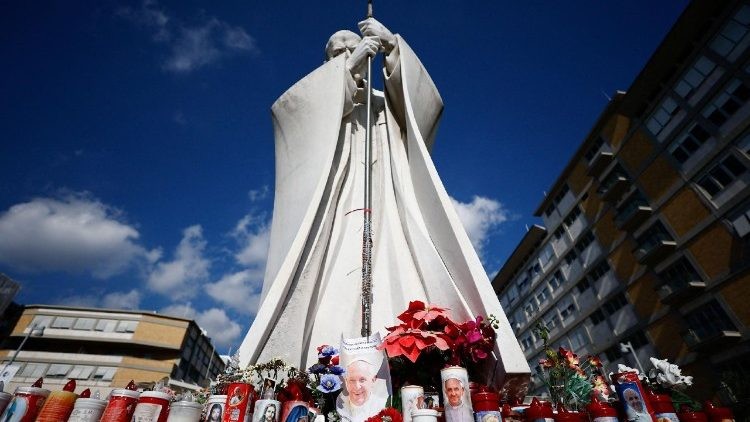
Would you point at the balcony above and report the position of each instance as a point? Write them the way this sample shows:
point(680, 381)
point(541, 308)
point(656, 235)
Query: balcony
point(674, 293)
point(634, 214)
point(614, 187)
point(655, 252)
point(601, 160)
point(712, 340)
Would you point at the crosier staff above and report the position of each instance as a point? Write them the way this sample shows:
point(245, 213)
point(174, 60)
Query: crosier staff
point(367, 227)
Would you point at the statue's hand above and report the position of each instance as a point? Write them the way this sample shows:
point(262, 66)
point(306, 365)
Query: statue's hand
point(370, 27)
point(368, 47)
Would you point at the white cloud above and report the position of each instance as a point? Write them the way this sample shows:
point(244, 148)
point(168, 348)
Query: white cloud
point(253, 235)
point(191, 46)
point(122, 300)
point(218, 325)
point(114, 300)
point(239, 291)
point(76, 234)
point(258, 194)
point(179, 278)
point(480, 217)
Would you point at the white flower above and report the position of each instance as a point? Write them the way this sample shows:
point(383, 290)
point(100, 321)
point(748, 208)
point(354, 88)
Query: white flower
point(670, 375)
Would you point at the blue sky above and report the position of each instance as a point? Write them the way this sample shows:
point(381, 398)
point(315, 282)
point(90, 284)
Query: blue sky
point(137, 149)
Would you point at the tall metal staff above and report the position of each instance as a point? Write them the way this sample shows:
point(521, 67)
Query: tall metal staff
point(367, 227)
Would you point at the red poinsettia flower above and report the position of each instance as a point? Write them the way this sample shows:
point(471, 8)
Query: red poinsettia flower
point(418, 314)
point(409, 342)
point(388, 414)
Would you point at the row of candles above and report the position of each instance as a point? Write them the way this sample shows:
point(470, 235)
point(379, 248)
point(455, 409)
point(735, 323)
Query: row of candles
point(37, 404)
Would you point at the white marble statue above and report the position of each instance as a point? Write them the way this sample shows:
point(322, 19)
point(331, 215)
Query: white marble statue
point(311, 290)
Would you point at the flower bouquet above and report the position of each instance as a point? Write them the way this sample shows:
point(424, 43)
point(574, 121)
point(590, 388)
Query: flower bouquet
point(667, 378)
point(569, 380)
point(427, 339)
point(325, 378)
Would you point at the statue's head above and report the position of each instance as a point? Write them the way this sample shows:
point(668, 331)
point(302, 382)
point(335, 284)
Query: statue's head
point(340, 42)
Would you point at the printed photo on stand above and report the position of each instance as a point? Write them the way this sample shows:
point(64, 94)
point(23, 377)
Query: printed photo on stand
point(367, 381)
point(269, 388)
point(456, 398)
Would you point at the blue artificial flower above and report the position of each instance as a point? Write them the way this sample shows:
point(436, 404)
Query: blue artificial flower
point(328, 351)
point(329, 383)
point(318, 368)
point(336, 370)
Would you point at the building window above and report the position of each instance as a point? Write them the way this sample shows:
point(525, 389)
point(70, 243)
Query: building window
point(741, 221)
point(534, 270)
point(556, 280)
point(615, 304)
point(597, 272)
point(524, 284)
point(126, 326)
point(694, 77)
point(33, 370)
point(530, 308)
point(722, 175)
point(541, 295)
point(584, 242)
point(687, 144)
point(571, 257)
point(572, 216)
point(84, 324)
point(551, 320)
point(583, 285)
point(679, 273)
point(578, 338)
point(42, 321)
point(597, 316)
point(726, 42)
point(653, 236)
point(527, 343)
point(708, 320)
point(566, 307)
point(546, 255)
point(106, 325)
point(725, 104)
point(559, 232)
point(662, 115)
point(63, 322)
point(105, 373)
point(556, 201)
point(595, 147)
point(81, 372)
point(58, 370)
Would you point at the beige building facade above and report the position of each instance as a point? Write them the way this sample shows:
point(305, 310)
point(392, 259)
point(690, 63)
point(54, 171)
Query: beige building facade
point(104, 349)
point(645, 237)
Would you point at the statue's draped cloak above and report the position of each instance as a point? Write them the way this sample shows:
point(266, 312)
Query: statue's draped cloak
point(311, 290)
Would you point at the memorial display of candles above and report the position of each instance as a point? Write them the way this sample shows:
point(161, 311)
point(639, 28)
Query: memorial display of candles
point(215, 408)
point(153, 406)
point(412, 398)
point(87, 409)
point(185, 411)
point(59, 404)
point(26, 403)
point(539, 411)
point(121, 405)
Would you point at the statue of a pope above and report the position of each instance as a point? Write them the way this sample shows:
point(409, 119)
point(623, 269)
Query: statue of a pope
point(312, 287)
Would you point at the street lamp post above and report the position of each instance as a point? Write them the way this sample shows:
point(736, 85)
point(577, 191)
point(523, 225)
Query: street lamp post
point(34, 330)
point(628, 347)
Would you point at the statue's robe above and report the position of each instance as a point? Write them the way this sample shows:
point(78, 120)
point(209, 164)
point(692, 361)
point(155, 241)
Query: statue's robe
point(312, 286)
